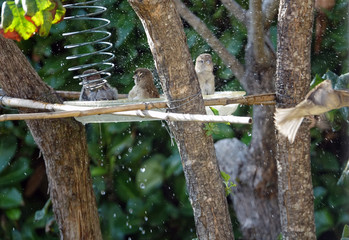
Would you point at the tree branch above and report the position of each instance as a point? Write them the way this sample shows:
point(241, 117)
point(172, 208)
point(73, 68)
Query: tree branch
point(168, 44)
point(270, 9)
point(63, 145)
point(256, 31)
point(236, 10)
point(293, 74)
point(200, 27)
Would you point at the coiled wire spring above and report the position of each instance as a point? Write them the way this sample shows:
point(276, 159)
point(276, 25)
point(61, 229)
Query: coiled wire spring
point(89, 13)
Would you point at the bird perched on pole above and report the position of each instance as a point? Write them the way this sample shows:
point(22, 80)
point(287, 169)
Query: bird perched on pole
point(204, 72)
point(321, 99)
point(144, 85)
point(96, 88)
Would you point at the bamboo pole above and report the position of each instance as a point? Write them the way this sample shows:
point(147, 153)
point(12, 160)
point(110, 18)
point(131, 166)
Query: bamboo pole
point(65, 111)
point(79, 111)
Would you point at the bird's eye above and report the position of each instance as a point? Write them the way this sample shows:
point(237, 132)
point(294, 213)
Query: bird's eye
point(201, 61)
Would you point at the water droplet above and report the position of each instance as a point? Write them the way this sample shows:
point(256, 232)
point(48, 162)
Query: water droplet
point(130, 210)
point(114, 215)
point(142, 169)
point(102, 192)
point(146, 218)
point(142, 186)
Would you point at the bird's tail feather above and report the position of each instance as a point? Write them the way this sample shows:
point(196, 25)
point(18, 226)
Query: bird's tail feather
point(285, 124)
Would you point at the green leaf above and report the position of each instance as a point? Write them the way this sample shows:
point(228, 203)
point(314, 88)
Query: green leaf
point(18, 171)
point(10, 198)
point(215, 111)
point(29, 7)
point(20, 24)
point(324, 221)
point(210, 128)
point(345, 233)
point(331, 76)
point(6, 16)
point(23, 19)
point(98, 171)
point(225, 176)
point(8, 147)
point(316, 80)
point(13, 213)
point(60, 12)
point(39, 215)
point(44, 20)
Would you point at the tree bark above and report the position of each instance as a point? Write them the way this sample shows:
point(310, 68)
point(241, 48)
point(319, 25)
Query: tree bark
point(292, 83)
point(253, 167)
point(63, 145)
point(167, 42)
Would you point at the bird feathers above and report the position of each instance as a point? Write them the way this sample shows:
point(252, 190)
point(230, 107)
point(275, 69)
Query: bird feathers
point(318, 101)
point(287, 127)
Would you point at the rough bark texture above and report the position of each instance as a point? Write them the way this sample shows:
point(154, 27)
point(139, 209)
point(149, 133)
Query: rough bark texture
point(167, 42)
point(63, 145)
point(293, 160)
point(253, 167)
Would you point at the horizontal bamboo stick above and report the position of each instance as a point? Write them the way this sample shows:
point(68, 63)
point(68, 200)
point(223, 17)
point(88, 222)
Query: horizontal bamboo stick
point(78, 111)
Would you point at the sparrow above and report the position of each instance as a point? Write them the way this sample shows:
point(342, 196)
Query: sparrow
point(95, 88)
point(321, 99)
point(144, 85)
point(204, 72)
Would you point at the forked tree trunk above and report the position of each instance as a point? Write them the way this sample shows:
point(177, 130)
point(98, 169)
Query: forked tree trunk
point(168, 44)
point(63, 145)
point(292, 84)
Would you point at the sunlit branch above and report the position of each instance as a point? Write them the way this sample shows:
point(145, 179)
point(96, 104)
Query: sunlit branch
point(201, 28)
point(256, 31)
point(270, 9)
point(235, 9)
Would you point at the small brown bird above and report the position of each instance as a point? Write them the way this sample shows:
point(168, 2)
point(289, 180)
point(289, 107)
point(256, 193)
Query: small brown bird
point(144, 85)
point(321, 99)
point(95, 88)
point(204, 71)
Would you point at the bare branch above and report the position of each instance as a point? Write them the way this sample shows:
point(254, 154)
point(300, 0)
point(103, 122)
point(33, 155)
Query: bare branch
point(257, 31)
point(216, 45)
point(235, 9)
point(270, 9)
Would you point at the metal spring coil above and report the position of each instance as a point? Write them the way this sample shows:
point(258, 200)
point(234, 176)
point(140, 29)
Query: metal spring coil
point(100, 42)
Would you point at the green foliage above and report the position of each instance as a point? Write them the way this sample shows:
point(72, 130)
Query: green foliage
point(228, 185)
point(22, 19)
point(345, 234)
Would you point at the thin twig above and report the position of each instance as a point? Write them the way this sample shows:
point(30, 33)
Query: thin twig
point(200, 27)
point(236, 10)
point(257, 31)
point(270, 9)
